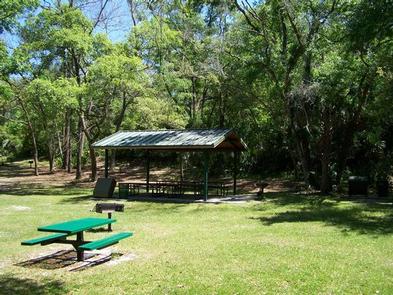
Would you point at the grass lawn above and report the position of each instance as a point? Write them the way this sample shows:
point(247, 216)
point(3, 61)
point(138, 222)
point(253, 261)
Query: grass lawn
point(283, 244)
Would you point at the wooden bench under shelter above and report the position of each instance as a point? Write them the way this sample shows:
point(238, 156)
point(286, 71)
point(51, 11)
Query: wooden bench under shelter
point(173, 188)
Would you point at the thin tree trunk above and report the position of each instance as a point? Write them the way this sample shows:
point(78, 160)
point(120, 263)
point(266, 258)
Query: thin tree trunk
point(60, 145)
point(193, 102)
point(343, 152)
point(69, 164)
point(301, 146)
point(92, 153)
point(119, 121)
point(81, 135)
point(93, 161)
point(35, 153)
point(131, 4)
point(325, 147)
point(33, 136)
point(51, 158)
point(294, 163)
point(79, 152)
point(67, 140)
point(325, 175)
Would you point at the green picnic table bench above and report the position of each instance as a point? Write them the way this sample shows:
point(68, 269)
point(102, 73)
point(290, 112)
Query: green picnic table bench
point(76, 227)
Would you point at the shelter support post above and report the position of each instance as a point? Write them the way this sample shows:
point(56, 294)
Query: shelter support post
point(206, 175)
point(106, 163)
point(147, 171)
point(236, 156)
point(181, 167)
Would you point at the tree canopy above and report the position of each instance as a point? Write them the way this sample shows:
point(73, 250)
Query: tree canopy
point(308, 84)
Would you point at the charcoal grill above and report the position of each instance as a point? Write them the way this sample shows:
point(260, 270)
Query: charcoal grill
point(108, 208)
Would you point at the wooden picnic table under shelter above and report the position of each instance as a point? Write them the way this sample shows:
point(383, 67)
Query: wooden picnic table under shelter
point(186, 140)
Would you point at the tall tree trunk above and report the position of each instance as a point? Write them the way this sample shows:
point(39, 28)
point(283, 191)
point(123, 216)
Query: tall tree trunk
point(93, 162)
point(69, 164)
point(119, 121)
point(300, 116)
point(325, 175)
point(67, 141)
point(325, 147)
point(60, 145)
point(33, 135)
point(301, 143)
point(193, 102)
point(79, 151)
point(305, 160)
point(50, 158)
point(132, 6)
point(81, 135)
point(294, 159)
point(92, 153)
point(364, 90)
point(344, 150)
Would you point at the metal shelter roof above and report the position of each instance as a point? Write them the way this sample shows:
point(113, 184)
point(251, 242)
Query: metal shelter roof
point(188, 139)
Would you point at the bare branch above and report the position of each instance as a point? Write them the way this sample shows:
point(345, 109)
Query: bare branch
point(98, 19)
point(293, 26)
point(245, 14)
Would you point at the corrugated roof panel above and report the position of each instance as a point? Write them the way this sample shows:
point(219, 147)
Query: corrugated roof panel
point(168, 139)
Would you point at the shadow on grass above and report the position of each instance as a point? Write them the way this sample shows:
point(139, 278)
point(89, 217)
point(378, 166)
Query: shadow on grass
point(152, 208)
point(11, 170)
point(293, 198)
point(365, 216)
point(67, 259)
point(145, 205)
point(98, 230)
point(148, 198)
point(141, 198)
point(80, 199)
point(18, 189)
point(10, 284)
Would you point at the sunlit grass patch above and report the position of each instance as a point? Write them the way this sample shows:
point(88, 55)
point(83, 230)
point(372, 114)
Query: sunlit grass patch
point(283, 244)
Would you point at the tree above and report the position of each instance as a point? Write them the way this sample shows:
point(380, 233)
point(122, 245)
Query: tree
point(11, 9)
point(47, 101)
point(60, 40)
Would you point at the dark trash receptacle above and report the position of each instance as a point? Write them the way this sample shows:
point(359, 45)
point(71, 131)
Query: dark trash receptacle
point(358, 185)
point(104, 187)
point(124, 190)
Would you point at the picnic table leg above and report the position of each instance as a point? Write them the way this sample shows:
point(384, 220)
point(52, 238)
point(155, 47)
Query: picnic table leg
point(110, 224)
point(79, 253)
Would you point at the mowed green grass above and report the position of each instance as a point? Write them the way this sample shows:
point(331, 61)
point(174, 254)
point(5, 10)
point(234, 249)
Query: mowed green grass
point(284, 244)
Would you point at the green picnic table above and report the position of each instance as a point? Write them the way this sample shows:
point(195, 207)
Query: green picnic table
point(76, 227)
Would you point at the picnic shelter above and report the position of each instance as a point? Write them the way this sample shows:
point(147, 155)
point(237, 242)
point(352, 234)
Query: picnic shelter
point(188, 140)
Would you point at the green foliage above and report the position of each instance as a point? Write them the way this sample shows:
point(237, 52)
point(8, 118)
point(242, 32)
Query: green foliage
point(370, 23)
point(10, 9)
point(307, 84)
point(152, 113)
